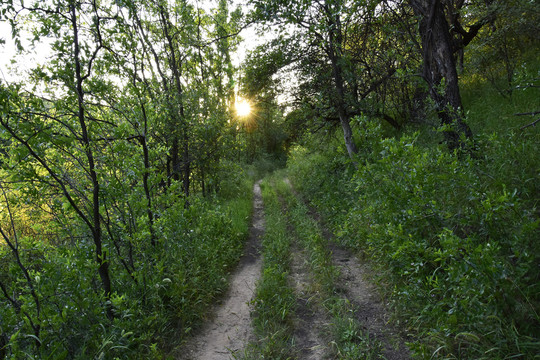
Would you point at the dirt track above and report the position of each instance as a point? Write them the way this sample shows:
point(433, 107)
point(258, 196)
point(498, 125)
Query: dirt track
point(230, 328)
point(228, 332)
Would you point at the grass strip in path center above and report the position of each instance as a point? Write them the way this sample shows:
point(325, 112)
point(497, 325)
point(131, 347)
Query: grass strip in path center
point(358, 328)
point(310, 319)
point(275, 301)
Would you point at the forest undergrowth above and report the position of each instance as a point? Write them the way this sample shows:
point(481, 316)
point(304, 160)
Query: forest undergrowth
point(157, 304)
point(130, 139)
point(453, 236)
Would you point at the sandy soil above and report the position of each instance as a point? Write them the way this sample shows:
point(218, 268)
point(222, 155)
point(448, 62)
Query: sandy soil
point(355, 286)
point(230, 330)
point(309, 321)
point(370, 309)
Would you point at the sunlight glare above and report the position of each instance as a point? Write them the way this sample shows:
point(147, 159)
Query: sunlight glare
point(243, 108)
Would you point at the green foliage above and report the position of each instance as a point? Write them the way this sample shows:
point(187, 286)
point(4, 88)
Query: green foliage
point(120, 157)
point(117, 163)
point(274, 300)
point(498, 55)
point(455, 236)
point(347, 338)
point(489, 112)
point(174, 284)
point(352, 342)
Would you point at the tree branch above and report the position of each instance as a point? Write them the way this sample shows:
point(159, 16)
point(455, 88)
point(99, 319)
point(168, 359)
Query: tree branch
point(531, 124)
point(532, 113)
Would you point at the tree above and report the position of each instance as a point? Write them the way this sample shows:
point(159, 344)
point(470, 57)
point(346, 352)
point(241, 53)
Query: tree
point(513, 30)
point(57, 123)
point(321, 23)
point(123, 105)
point(438, 18)
point(193, 79)
point(345, 52)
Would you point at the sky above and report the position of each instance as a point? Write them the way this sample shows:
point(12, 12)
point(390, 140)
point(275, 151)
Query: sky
point(13, 66)
point(10, 71)
point(7, 53)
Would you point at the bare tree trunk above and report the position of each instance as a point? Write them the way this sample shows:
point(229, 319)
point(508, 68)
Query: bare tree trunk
point(342, 111)
point(144, 145)
point(175, 65)
point(186, 166)
point(101, 257)
point(439, 70)
point(335, 53)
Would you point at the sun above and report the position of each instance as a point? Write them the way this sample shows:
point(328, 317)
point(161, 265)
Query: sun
point(243, 108)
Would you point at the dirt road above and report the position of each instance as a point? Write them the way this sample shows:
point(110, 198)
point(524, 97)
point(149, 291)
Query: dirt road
point(230, 330)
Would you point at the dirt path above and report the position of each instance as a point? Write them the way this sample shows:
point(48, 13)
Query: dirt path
point(310, 321)
point(370, 310)
point(355, 286)
point(230, 329)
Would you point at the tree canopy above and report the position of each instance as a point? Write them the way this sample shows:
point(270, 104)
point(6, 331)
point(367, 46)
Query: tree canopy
point(122, 155)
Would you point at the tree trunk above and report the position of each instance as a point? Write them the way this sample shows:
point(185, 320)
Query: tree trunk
point(335, 52)
point(439, 70)
point(186, 166)
point(101, 257)
point(175, 63)
point(144, 145)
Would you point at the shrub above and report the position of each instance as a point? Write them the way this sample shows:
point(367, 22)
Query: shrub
point(455, 235)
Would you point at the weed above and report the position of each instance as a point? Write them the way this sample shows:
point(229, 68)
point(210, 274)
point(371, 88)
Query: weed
point(454, 235)
point(274, 301)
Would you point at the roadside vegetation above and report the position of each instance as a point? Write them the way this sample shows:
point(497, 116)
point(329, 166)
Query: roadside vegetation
point(274, 300)
point(346, 336)
point(166, 295)
point(275, 304)
point(452, 235)
point(130, 140)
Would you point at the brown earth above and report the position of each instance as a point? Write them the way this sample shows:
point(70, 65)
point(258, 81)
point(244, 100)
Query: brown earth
point(310, 321)
point(356, 285)
point(229, 330)
point(370, 309)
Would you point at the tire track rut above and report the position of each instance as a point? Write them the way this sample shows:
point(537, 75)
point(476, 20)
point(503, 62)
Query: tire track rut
point(310, 321)
point(355, 286)
point(230, 330)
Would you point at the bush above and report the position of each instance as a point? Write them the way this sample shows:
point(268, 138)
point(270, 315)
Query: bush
point(454, 234)
point(166, 293)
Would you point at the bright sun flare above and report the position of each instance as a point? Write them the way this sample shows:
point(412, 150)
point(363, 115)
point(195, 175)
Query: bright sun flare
point(242, 107)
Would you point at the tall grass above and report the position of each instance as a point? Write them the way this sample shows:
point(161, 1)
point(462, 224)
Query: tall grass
point(274, 300)
point(156, 305)
point(454, 237)
point(345, 334)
